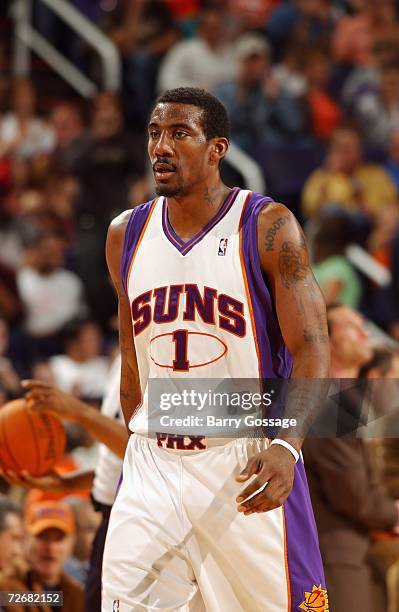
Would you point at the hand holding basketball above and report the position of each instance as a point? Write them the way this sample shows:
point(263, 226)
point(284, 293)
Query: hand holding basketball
point(43, 397)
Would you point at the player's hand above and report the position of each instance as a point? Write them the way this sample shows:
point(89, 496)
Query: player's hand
point(42, 396)
point(274, 469)
point(52, 481)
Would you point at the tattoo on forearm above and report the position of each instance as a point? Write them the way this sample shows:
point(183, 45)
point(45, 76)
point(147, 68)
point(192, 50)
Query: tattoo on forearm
point(272, 231)
point(295, 275)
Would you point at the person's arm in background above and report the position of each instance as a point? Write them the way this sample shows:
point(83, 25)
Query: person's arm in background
point(45, 397)
point(345, 476)
point(52, 482)
point(130, 390)
point(301, 314)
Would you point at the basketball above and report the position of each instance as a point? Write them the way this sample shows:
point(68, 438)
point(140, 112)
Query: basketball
point(32, 441)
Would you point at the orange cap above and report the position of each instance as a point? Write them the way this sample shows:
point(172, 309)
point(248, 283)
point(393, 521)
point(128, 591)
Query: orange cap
point(49, 514)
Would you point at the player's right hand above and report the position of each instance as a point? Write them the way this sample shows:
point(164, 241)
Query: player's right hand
point(45, 397)
point(274, 470)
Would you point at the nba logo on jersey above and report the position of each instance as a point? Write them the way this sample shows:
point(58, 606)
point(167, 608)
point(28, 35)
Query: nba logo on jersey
point(222, 247)
point(115, 605)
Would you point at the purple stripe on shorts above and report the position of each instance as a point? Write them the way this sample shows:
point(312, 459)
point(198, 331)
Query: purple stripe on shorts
point(305, 567)
point(133, 231)
point(118, 486)
point(275, 358)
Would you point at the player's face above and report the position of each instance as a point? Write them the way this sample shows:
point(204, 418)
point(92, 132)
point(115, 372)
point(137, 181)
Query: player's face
point(11, 541)
point(178, 149)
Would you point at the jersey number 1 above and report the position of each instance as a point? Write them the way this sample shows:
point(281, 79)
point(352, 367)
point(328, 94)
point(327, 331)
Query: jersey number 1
point(180, 362)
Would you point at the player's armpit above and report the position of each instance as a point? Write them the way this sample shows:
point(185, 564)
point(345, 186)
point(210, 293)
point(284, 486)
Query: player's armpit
point(130, 390)
point(300, 311)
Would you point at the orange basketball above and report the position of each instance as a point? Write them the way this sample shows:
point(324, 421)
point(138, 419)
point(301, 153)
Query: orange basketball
point(32, 441)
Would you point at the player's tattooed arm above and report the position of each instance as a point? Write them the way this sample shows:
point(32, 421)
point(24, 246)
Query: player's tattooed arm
point(301, 314)
point(300, 310)
point(130, 390)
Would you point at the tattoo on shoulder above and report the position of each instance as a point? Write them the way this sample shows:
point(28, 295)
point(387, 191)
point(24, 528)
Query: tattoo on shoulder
point(272, 231)
point(292, 263)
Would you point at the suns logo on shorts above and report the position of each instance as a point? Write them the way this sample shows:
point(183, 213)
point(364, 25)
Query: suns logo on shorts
point(315, 600)
point(115, 605)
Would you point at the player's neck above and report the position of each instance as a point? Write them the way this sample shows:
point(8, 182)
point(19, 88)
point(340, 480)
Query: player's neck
point(188, 214)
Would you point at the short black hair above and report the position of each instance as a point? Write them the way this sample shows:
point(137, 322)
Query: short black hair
point(215, 119)
point(7, 507)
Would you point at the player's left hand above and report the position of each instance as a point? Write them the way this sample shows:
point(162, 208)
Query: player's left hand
point(52, 482)
point(275, 476)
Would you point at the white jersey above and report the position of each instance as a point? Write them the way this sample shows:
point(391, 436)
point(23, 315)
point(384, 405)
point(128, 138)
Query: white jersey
point(194, 306)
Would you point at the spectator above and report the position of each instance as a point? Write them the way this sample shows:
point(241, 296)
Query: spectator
point(346, 180)
point(11, 537)
point(81, 370)
point(383, 371)
point(69, 135)
point(324, 113)
point(107, 171)
point(204, 61)
point(289, 71)
point(21, 132)
point(365, 79)
point(355, 35)
point(346, 498)
point(302, 22)
point(260, 111)
point(336, 276)
point(51, 531)
point(86, 522)
point(51, 294)
point(377, 112)
point(251, 15)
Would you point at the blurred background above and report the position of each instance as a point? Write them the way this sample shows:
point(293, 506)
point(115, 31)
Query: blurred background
point(312, 90)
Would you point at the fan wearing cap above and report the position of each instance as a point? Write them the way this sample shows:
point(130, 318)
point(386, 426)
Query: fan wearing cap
point(50, 536)
point(260, 110)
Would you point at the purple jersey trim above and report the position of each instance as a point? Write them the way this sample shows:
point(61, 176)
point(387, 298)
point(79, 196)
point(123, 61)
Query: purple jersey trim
point(185, 247)
point(133, 231)
point(305, 567)
point(275, 359)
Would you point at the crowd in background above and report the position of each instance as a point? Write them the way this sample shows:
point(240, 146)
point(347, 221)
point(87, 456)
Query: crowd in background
point(312, 91)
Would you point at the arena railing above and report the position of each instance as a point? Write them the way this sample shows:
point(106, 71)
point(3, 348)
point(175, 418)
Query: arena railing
point(27, 39)
point(247, 167)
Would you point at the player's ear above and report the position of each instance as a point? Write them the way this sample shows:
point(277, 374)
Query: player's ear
point(218, 150)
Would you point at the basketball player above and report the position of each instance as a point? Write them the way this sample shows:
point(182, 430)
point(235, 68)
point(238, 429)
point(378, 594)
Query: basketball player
point(199, 267)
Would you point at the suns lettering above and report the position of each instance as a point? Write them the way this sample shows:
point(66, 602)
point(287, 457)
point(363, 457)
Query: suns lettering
point(163, 304)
